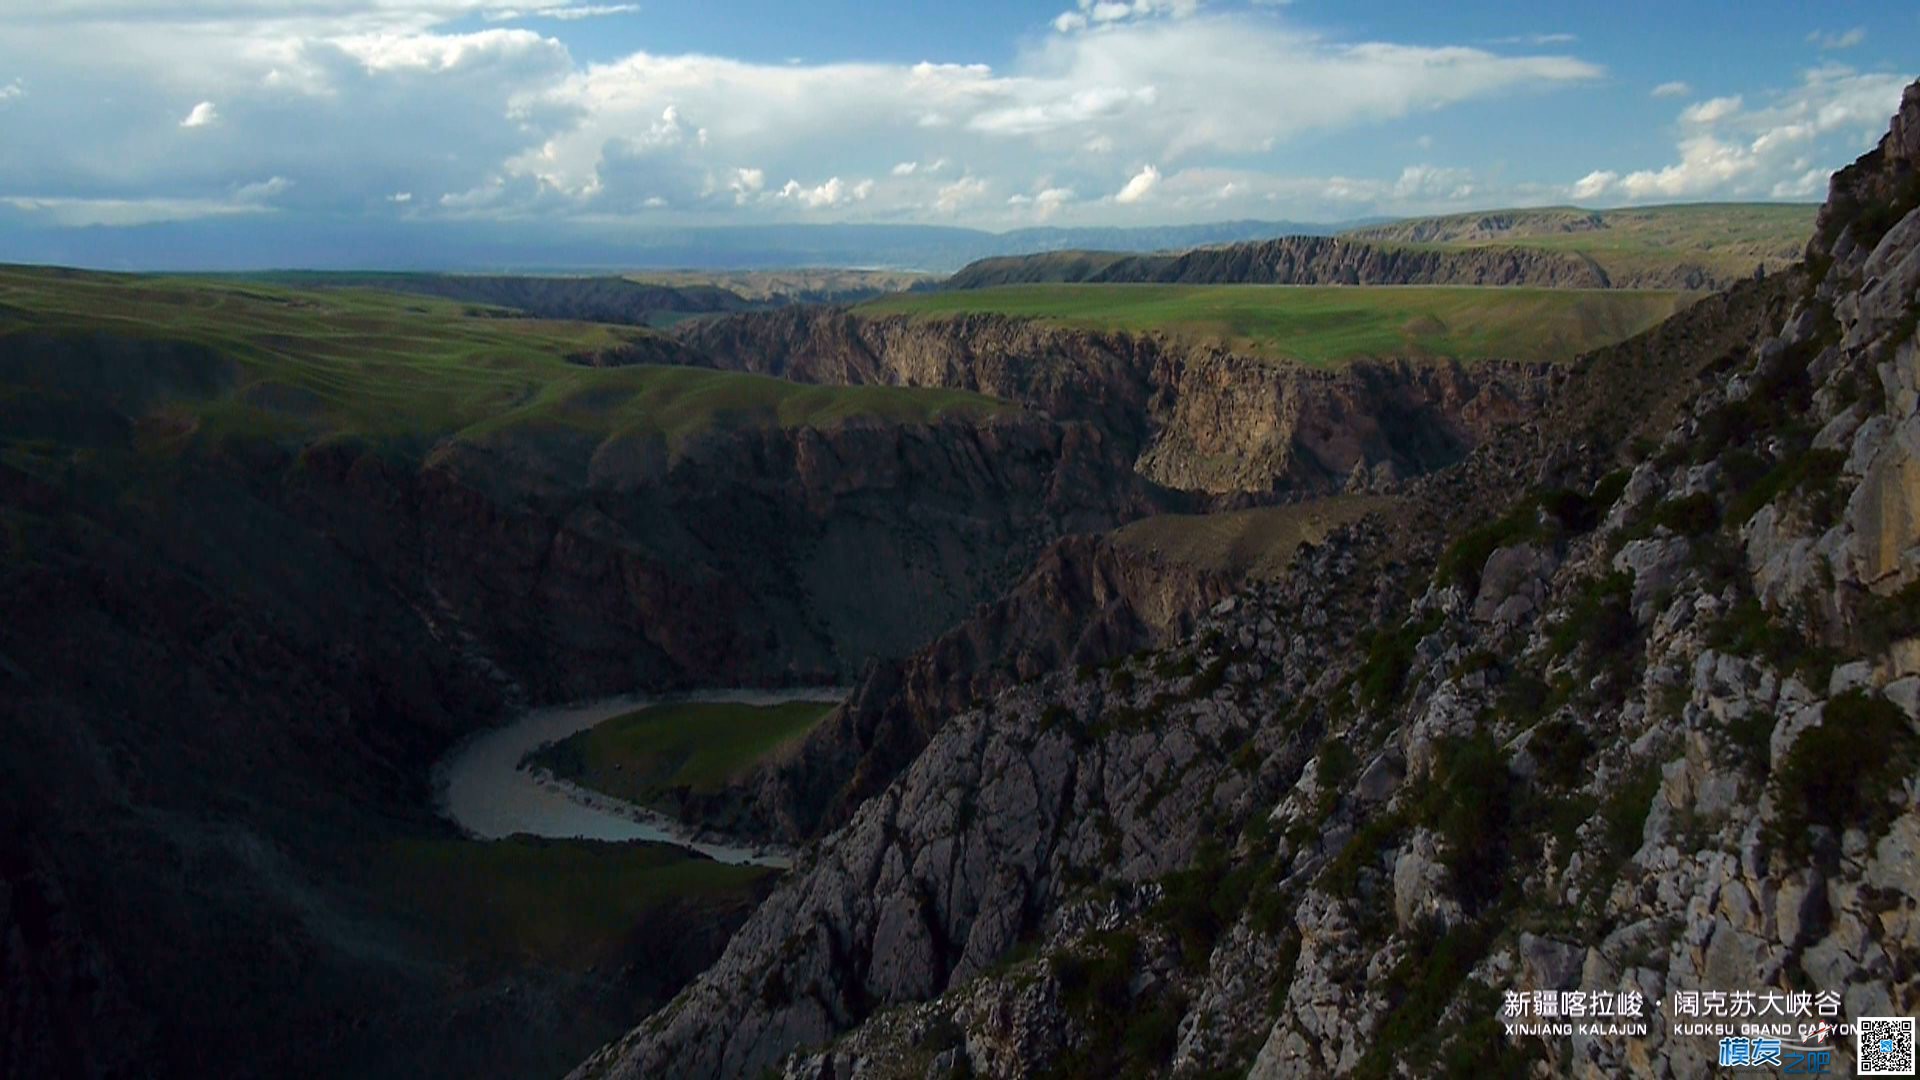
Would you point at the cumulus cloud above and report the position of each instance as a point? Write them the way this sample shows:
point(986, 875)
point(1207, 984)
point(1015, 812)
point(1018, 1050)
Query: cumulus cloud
point(11, 91)
point(1045, 204)
point(746, 183)
point(1676, 88)
point(565, 14)
point(262, 190)
point(201, 115)
point(1779, 150)
point(1432, 182)
point(476, 118)
point(1146, 87)
point(961, 193)
point(1711, 111)
point(1139, 187)
point(834, 192)
point(1098, 13)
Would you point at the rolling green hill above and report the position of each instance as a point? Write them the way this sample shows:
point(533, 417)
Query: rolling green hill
point(1326, 325)
point(222, 358)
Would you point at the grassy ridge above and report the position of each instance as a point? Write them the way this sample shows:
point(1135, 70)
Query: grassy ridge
point(1326, 325)
point(1729, 239)
point(282, 362)
point(646, 755)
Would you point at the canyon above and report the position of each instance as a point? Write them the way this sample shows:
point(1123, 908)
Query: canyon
point(1567, 716)
point(1209, 712)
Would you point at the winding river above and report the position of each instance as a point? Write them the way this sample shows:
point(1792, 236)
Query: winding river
point(482, 788)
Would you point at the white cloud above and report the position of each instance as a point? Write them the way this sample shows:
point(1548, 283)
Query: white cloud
point(505, 120)
point(1144, 87)
point(1074, 110)
point(1676, 88)
point(400, 197)
point(1049, 201)
point(1139, 187)
point(201, 115)
point(1099, 13)
point(1046, 203)
point(441, 52)
point(263, 190)
point(1428, 181)
point(565, 14)
point(1783, 149)
point(1830, 42)
point(962, 192)
point(11, 91)
point(1710, 111)
point(1594, 184)
point(834, 192)
point(746, 183)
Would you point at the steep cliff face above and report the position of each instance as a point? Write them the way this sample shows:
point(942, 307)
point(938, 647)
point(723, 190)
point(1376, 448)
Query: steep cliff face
point(1332, 260)
point(1631, 707)
point(1234, 424)
point(1327, 260)
point(1189, 418)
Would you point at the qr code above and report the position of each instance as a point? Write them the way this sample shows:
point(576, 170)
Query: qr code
point(1884, 1045)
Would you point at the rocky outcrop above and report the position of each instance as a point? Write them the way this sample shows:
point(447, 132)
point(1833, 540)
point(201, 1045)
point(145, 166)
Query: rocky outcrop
point(1868, 244)
point(1010, 810)
point(1237, 424)
point(1868, 197)
point(1087, 601)
point(1328, 260)
point(1193, 419)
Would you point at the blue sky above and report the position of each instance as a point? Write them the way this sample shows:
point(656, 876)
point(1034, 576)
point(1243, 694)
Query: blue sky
point(995, 114)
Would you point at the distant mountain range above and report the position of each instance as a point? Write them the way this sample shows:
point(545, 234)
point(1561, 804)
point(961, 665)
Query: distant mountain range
point(254, 243)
